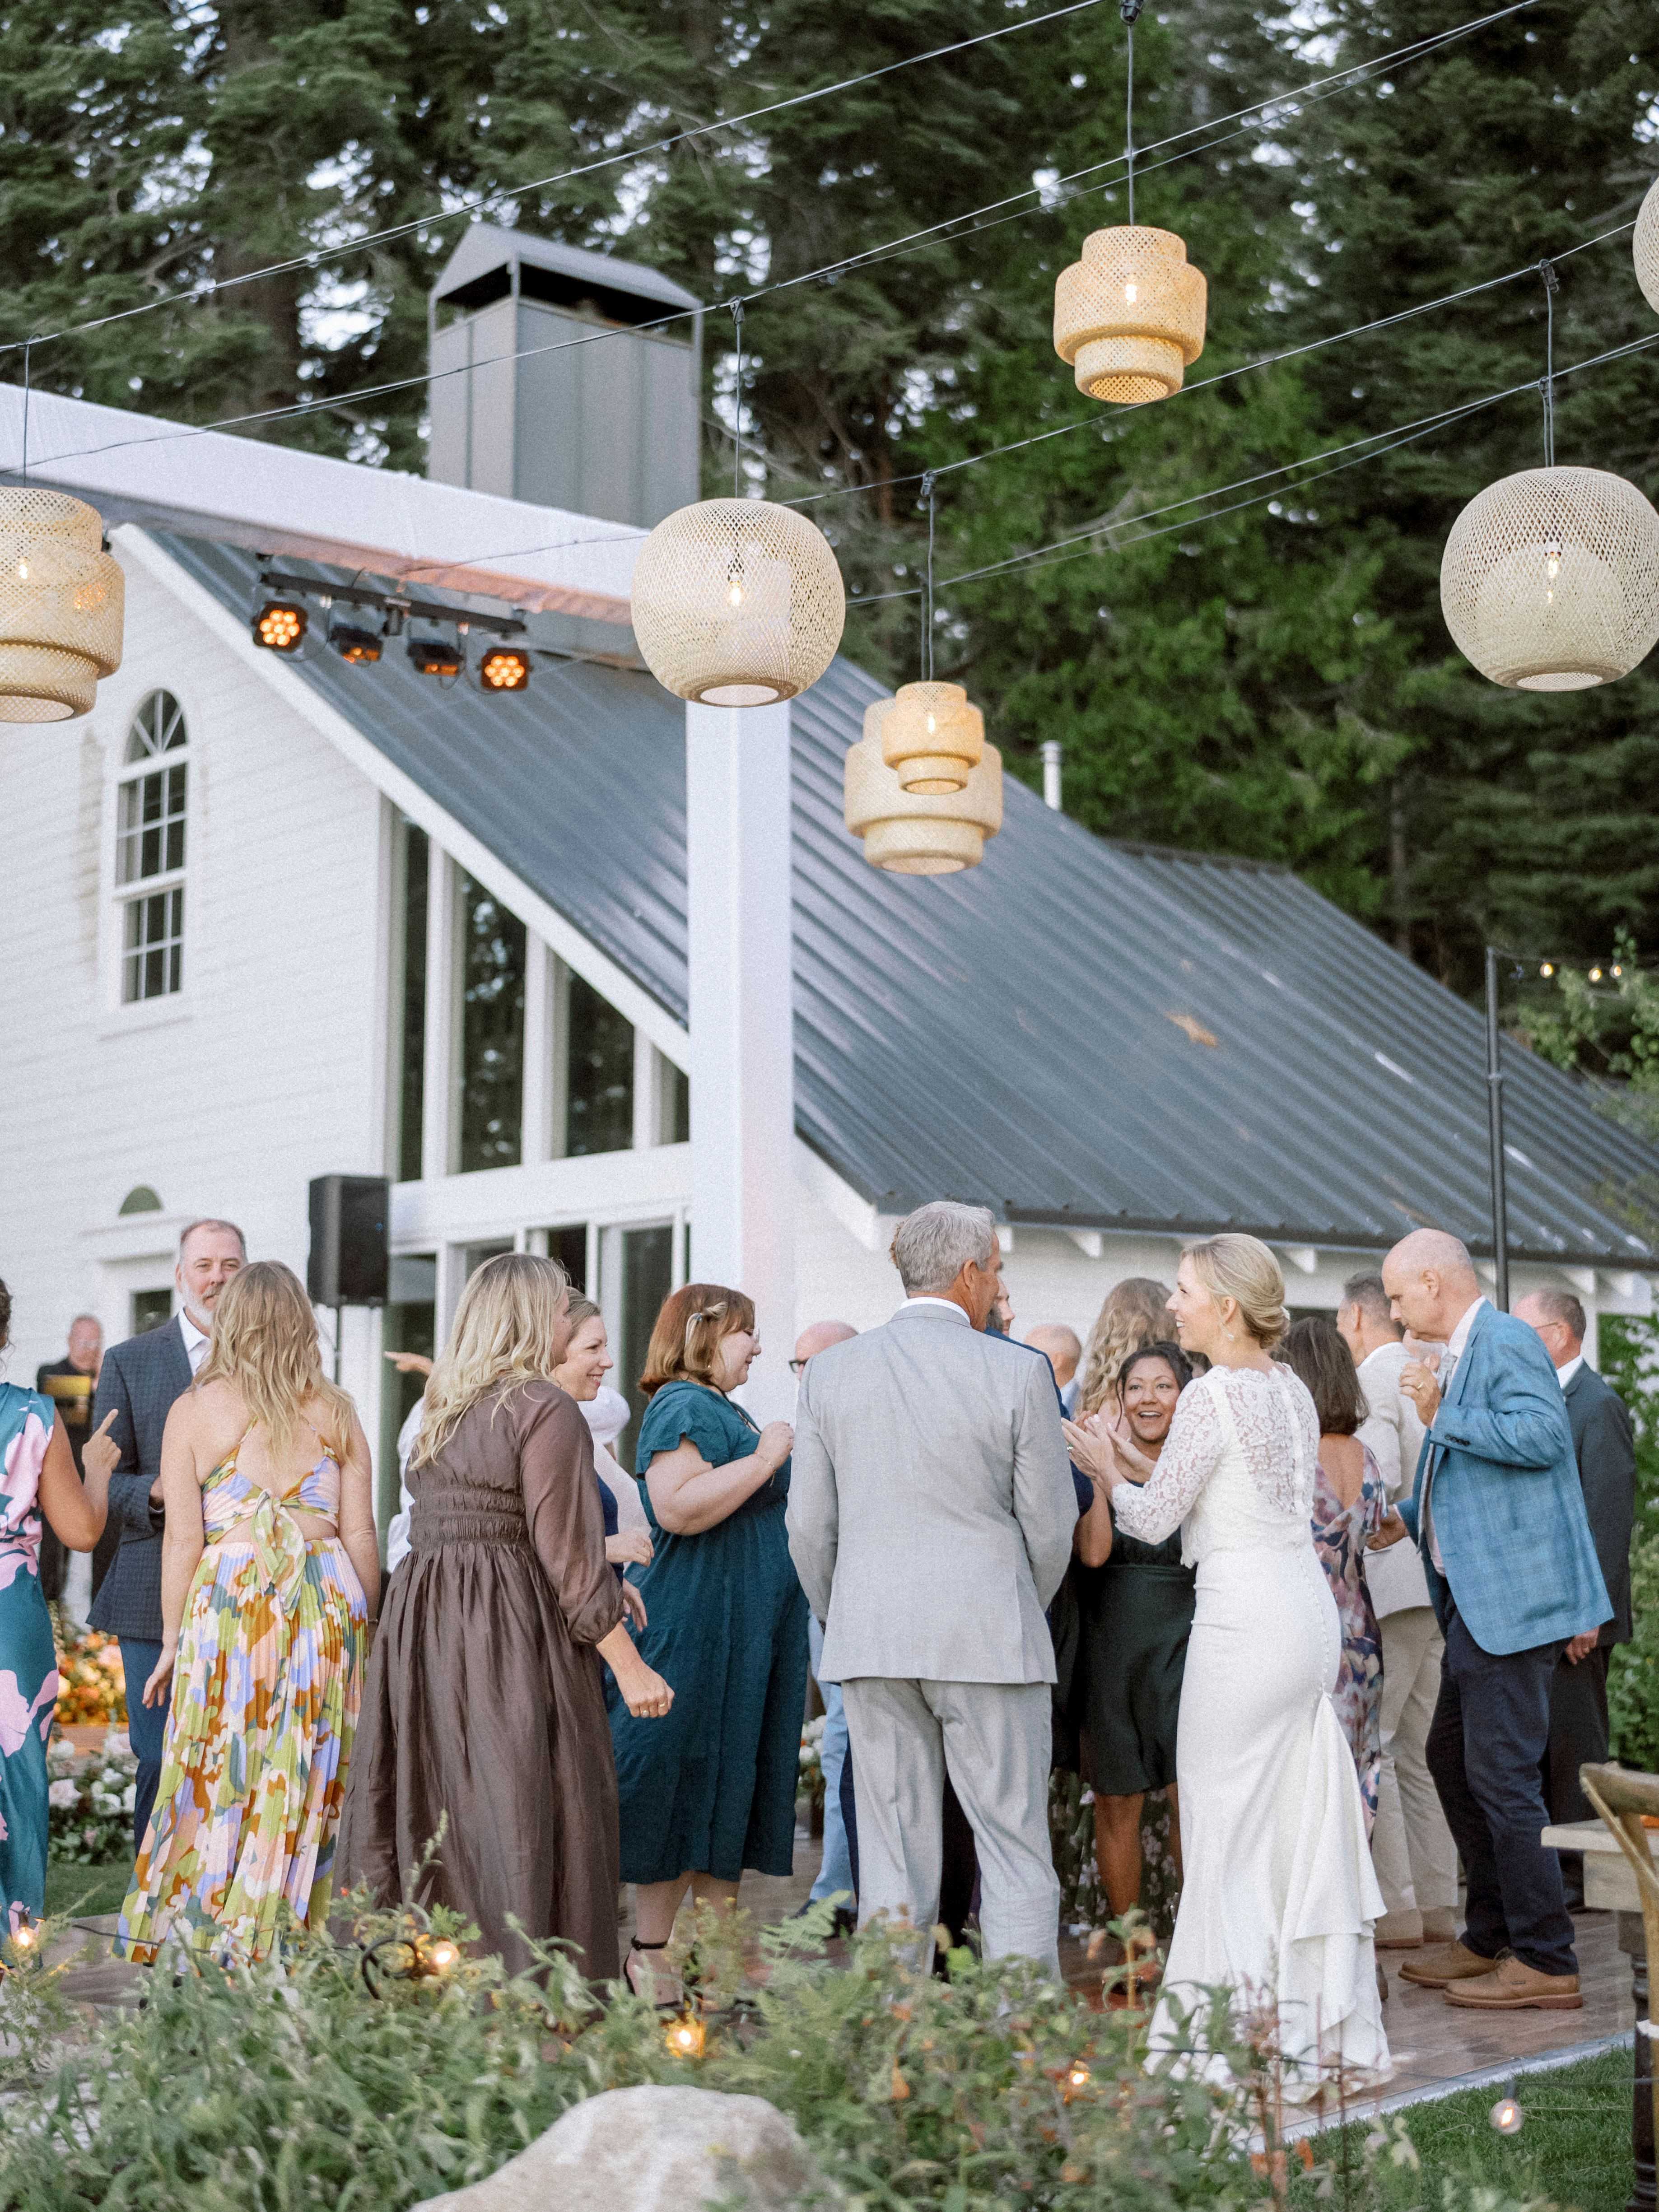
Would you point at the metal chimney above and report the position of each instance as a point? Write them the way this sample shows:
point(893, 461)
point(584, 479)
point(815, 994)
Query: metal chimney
point(1053, 754)
point(551, 385)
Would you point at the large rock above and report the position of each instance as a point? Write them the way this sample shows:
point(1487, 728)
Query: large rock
point(656, 2150)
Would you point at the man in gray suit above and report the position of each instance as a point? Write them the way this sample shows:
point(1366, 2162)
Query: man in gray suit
point(931, 1512)
point(139, 1383)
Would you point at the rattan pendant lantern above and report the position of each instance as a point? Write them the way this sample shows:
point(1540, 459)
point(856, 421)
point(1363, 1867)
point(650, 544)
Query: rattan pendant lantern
point(1644, 247)
point(738, 602)
point(932, 737)
point(1129, 316)
point(61, 601)
point(1550, 578)
point(915, 833)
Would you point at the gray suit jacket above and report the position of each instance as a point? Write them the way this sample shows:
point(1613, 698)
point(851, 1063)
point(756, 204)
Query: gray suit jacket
point(140, 1381)
point(931, 1505)
point(1605, 1449)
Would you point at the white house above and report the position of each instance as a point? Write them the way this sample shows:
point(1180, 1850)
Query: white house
point(266, 918)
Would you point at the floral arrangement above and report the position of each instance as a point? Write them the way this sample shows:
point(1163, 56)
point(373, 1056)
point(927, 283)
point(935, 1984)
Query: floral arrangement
point(812, 1760)
point(90, 1799)
point(92, 1681)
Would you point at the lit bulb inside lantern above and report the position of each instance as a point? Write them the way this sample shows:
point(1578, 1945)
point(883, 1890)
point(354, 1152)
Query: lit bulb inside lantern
point(23, 1937)
point(23, 570)
point(441, 1955)
point(734, 595)
point(1078, 2076)
point(1552, 567)
point(1130, 294)
point(931, 724)
point(1507, 2116)
point(684, 2036)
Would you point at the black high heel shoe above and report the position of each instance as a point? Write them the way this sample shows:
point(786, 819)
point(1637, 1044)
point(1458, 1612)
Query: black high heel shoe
point(663, 2004)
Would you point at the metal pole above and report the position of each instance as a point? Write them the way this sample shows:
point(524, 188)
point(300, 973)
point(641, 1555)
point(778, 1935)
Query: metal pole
point(1500, 1212)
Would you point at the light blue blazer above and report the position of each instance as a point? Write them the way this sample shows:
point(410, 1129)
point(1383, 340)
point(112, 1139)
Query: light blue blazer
point(1508, 1504)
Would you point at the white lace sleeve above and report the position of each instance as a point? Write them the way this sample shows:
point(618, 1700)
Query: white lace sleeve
point(1196, 1442)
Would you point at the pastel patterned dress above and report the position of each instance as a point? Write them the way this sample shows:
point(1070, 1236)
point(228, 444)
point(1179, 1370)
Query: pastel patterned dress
point(1340, 1534)
point(28, 1662)
point(266, 1695)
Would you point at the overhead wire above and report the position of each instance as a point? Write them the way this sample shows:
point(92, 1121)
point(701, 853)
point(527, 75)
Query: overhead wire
point(1321, 87)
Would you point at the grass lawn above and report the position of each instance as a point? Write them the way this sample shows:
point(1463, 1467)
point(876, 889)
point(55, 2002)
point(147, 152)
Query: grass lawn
point(86, 1890)
point(1573, 2149)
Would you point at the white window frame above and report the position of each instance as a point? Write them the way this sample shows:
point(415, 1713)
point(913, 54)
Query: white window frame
point(126, 774)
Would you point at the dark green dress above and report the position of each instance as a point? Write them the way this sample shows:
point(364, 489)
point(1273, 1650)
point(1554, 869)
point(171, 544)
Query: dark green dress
point(1136, 1615)
point(712, 1787)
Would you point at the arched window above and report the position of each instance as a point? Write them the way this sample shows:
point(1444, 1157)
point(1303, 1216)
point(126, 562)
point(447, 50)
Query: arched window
point(149, 850)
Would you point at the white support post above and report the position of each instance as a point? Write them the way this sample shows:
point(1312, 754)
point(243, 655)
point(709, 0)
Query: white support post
point(438, 1079)
point(742, 1071)
point(538, 971)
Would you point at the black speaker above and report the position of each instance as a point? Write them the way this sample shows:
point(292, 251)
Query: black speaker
point(350, 1263)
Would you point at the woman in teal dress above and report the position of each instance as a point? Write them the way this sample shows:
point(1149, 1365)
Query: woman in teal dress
point(37, 1477)
point(711, 1789)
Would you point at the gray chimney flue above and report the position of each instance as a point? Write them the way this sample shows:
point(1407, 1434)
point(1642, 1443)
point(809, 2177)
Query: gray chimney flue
point(1052, 753)
point(549, 385)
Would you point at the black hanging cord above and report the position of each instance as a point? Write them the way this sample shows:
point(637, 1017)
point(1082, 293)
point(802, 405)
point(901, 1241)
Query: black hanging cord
point(1551, 286)
point(737, 403)
point(927, 594)
point(1129, 10)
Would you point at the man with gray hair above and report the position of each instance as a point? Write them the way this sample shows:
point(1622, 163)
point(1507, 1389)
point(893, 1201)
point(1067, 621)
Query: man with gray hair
point(1605, 1446)
point(931, 1512)
point(139, 1383)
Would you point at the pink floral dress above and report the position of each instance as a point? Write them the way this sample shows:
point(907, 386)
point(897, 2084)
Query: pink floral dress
point(28, 1661)
point(1340, 1534)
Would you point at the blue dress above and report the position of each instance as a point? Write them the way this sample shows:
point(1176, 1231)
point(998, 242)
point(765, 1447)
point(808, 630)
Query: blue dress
point(28, 1661)
point(711, 1789)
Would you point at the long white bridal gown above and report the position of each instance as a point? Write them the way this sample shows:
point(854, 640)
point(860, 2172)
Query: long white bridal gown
point(1278, 1898)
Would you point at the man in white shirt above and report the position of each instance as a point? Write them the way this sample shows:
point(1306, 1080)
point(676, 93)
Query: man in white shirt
point(139, 1383)
point(1412, 1847)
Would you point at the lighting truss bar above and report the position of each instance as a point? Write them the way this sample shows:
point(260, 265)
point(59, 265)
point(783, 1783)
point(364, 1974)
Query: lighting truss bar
point(276, 584)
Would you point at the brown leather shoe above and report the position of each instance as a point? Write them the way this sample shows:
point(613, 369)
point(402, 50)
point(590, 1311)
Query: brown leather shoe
point(1514, 1986)
point(1442, 1963)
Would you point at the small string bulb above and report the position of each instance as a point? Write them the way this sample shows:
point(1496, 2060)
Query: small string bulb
point(1616, 970)
point(1076, 2076)
point(1596, 974)
point(441, 1955)
point(1506, 2116)
point(1547, 969)
point(685, 2036)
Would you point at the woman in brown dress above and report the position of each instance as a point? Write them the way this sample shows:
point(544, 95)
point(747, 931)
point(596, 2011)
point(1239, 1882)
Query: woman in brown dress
point(486, 1699)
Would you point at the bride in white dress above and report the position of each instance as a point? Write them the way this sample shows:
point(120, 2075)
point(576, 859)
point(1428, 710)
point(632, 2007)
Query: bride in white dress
point(1279, 1897)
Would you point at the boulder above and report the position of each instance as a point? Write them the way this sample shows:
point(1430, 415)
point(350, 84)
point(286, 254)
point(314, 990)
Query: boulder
point(656, 2150)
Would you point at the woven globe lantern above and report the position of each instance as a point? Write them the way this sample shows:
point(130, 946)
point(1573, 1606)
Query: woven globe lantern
point(914, 832)
point(1550, 580)
point(1644, 246)
point(62, 600)
point(737, 603)
point(931, 736)
point(1129, 316)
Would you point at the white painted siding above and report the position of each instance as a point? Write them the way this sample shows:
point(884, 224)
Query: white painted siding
point(265, 1070)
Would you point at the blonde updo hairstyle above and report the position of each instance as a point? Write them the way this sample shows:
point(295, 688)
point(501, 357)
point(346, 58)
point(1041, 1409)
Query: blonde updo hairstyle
point(1134, 1313)
point(505, 1325)
point(264, 1347)
point(1242, 1268)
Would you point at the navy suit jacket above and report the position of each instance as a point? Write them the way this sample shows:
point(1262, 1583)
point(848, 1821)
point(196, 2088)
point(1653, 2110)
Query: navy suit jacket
point(140, 1381)
point(1507, 1505)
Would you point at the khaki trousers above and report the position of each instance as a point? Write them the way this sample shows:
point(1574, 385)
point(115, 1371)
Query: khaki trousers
point(1412, 1847)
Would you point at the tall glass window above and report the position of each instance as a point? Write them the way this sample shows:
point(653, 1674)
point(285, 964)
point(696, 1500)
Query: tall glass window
point(676, 1104)
point(149, 850)
point(599, 1097)
point(492, 955)
point(648, 1277)
point(409, 1325)
point(411, 1071)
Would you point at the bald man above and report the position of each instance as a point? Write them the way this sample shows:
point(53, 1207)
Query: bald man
point(1063, 1348)
point(1498, 1515)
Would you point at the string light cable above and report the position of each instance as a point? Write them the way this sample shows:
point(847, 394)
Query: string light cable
point(1337, 80)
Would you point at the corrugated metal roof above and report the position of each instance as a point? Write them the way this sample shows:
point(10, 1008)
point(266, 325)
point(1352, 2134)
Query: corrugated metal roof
point(1079, 1033)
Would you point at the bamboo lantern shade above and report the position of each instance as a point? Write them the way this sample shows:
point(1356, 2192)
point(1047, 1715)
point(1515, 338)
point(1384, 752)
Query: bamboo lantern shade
point(1645, 248)
point(62, 601)
point(1129, 316)
point(913, 833)
point(1550, 580)
point(737, 603)
point(931, 736)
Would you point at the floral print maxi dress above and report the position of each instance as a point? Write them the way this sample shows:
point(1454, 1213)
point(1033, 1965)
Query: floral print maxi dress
point(1340, 1534)
point(28, 1662)
point(266, 1695)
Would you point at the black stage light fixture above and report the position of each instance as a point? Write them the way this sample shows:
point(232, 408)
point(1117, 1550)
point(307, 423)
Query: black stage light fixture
point(357, 646)
point(279, 626)
point(504, 668)
point(431, 656)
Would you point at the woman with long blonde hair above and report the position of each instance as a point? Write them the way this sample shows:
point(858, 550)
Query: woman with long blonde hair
point(269, 1579)
point(1134, 1314)
point(485, 1713)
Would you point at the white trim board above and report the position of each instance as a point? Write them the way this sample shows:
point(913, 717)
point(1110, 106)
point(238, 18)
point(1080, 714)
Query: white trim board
point(562, 935)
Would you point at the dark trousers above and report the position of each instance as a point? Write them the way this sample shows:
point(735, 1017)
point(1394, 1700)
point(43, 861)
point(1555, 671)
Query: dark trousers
point(146, 1727)
point(1578, 1737)
point(1485, 1749)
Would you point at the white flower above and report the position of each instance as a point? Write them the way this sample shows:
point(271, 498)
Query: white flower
point(62, 1792)
point(129, 1796)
